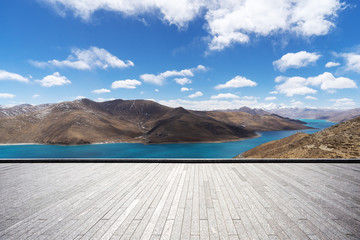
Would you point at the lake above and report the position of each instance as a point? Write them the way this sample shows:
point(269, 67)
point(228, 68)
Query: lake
point(137, 150)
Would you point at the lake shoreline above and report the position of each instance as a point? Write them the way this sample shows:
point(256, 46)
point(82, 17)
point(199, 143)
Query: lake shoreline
point(130, 142)
point(219, 149)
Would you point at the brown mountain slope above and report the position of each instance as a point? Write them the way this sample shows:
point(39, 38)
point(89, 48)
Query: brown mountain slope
point(86, 121)
point(339, 141)
point(181, 125)
point(255, 122)
point(67, 123)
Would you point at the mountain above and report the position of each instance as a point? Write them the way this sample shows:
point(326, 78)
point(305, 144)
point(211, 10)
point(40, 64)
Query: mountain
point(255, 122)
point(332, 115)
point(85, 121)
point(339, 141)
point(21, 109)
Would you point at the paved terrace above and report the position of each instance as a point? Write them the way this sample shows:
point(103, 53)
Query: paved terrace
point(179, 201)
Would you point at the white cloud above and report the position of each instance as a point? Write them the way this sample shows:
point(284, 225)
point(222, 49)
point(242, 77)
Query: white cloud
point(294, 86)
point(215, 104)
point(296, 104)
point(227, 21)
point(87, 59)
point(36, 96)
point(332, 64)
point(201, 67)
point(352, 62)
point(178, 13)
point(184, 89)
point(104, 99)
point(161, 78)
point(232, 22)
point(4, 75)
point(7, 95)
point(54, 80)
point(343, 103)
point(102, 90)
point(182, 81)
point(156, 90)
point(310, 98)
point(195, 95)
point(300, 86)
point(154, 79)
point(219, 42)
point(328, 82)
point(224, 95)
point(128, 83)
point(79, 97)
point(273, 92)
point(295, 60)
point(237, 82)
point(270, 98)
point(250, 97)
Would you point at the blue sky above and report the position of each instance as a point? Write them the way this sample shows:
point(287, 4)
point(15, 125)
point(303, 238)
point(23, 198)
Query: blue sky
point(196, 54)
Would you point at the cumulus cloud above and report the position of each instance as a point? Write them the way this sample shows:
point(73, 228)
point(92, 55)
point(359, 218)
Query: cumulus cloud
point(270, 98)
point(343, 103)
point(36, 96)
point(232, 22)
point(54, 80)
point(87, 59)
point(228, 22)
point(332, 64)
point(184, 89)
point(128, 83)
point(327, 81)
point(352, 62)
point(182, 81)
point(300, 86)
point(7, 95)
point(310, 98)
point(4, 75)
point(273, 92)
point(195, 95)
point(224, 95)
point(102, 90)
point(237, 82)
point(294, 86)
point(295, 60)
point(156, 90)
point(161, 78)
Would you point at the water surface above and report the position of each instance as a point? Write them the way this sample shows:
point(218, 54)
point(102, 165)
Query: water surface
point(137, 150)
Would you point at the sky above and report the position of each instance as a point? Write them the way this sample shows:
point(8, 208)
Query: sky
point(198, 54)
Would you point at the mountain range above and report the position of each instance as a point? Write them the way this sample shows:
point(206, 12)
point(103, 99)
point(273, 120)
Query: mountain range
point(85, 121)
point(332, 115)
point(339, 141)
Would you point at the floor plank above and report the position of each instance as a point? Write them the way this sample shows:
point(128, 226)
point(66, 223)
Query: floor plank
point(179, 201)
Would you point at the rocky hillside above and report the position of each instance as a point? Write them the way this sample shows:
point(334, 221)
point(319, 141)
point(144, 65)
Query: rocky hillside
point(339, 141)
point(85, 121)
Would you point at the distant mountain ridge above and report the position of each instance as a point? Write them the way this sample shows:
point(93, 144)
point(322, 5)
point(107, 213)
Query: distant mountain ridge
point(332, 115)
point(85, 121)
point(339, 141)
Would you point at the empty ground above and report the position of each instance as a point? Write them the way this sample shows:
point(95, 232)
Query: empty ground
point(179, 201)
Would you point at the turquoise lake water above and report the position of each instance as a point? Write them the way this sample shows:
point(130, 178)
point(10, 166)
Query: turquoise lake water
point(137, 150)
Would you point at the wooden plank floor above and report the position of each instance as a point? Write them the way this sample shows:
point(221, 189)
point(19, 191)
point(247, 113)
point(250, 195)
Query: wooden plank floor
point(179, 201)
